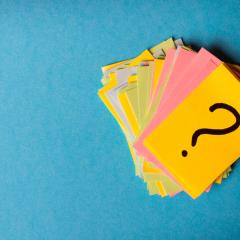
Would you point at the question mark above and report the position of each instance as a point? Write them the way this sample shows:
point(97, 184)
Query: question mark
point(216, 131)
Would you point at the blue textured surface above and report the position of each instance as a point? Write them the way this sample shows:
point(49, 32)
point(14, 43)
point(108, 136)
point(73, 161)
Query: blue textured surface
point(63, 174)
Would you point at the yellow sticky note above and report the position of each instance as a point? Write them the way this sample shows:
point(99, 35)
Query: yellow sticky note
point(197, 160)
point(112, 83)
point(158, 65)
point(128, 99)
point(144, 75)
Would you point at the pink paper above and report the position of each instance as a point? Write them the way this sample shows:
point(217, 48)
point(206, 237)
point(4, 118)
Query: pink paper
point(182, 62)
point(166, 67)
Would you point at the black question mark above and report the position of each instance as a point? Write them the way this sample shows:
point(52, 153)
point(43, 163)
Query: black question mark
point(216, 131)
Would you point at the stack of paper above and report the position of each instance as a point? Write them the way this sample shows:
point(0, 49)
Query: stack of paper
point(180, 113)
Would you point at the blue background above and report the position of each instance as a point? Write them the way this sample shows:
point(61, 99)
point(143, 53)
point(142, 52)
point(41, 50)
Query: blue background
point(63, 173)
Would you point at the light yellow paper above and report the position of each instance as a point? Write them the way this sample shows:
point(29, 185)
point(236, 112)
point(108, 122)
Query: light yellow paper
point(164, 46)
point(144, 75)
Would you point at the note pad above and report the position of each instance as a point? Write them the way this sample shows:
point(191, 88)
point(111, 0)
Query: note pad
point(144, 91)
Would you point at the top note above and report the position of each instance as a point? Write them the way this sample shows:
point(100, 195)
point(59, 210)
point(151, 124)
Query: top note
point(199, 139)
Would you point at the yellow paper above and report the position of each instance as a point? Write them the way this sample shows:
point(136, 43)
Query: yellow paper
point(212, 154)
point(128, 99)
point(144, 75)
point(158, 65)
